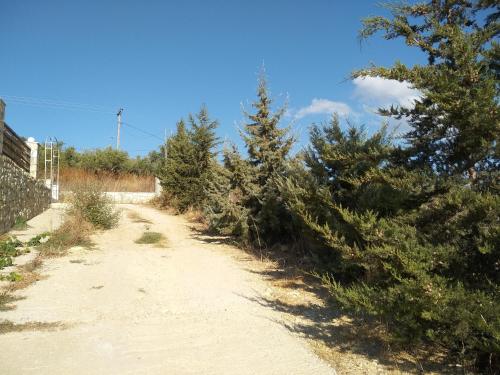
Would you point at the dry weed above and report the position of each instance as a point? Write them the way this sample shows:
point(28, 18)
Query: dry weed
point(75, 231)
point(136, 218)
point(7, 326)
point(196, 216)
point(72, 178)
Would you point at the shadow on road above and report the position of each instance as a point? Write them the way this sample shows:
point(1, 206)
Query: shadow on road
point(313, 314)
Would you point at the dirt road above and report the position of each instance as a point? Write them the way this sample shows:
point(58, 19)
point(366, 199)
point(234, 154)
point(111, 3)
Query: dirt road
point(125, 308)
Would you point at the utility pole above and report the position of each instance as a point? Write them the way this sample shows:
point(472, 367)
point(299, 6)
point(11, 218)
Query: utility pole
point(119, 115)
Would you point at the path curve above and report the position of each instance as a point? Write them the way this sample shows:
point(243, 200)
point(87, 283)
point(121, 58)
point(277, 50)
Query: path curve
point(136, 309)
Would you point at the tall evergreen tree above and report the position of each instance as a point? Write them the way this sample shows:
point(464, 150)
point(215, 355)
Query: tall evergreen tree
point(177, 177)
point(268, 145)
point(268, 148)
point(204, 142)
point(456, 124)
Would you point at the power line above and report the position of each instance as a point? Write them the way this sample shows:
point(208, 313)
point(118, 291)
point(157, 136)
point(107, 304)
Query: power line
point(142, 131)
point(67, 105)
point(58, 104)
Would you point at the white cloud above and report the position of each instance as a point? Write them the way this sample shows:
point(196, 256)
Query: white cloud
point(324, 106)
point(381, 92)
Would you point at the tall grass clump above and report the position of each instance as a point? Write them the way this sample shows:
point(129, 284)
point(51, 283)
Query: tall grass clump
point(75, 231)
point(89, 209)
point(90, 203)
point(72, 178)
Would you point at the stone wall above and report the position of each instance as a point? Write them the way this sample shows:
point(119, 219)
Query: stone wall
point(21, 196)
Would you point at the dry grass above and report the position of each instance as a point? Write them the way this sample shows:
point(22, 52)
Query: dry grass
point(136, 218)
point(7, 326)
point(72, 178)
point(75, 231)
point(29, 275)
point(195, 216)
point(151, 238)
point(165, 202)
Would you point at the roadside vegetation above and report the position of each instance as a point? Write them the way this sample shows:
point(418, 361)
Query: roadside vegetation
point(150, 238)
point(72, 178)
point(113, 170)
point(406, 231)
point(89, 210)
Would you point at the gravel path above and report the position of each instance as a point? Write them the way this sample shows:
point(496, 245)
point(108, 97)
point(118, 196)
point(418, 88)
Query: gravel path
point(125, 308)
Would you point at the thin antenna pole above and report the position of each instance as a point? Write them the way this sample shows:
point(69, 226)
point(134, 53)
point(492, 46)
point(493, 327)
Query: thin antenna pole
point(119, 115)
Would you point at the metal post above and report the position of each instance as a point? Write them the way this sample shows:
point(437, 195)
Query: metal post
point(119, 115)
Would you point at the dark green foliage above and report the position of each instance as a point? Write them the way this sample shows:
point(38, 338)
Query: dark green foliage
point(107, 160)
point(413, 242)
point(404, 235)
point(177, 174)
point(409, 248)
point(190, 162)
point(268, 148)
point(244, 197)
point(456, 125)
point(228, 195)
point(9, 249)
point(204, 142)
point(35, 241)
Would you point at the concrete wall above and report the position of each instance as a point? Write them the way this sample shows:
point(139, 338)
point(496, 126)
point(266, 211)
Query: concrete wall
point(135, 197)
point(21, 196)
point(129, 197)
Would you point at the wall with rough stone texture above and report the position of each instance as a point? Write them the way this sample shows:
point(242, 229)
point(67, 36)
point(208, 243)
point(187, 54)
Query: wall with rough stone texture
point(21, 196)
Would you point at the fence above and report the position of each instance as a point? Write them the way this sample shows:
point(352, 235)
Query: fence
point(21, 195)
point(12, 145)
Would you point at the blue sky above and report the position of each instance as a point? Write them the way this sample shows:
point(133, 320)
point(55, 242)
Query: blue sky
point(67, 66)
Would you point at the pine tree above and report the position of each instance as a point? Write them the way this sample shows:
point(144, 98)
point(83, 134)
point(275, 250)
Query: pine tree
point(268, 145)
point(177, 178)
point(456, 124)
point(191, 161)
point(229, 192)
point(204, 141)
point(268, 148)
point(409, 248)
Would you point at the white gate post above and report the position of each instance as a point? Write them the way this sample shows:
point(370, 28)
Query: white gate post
point(33, 145)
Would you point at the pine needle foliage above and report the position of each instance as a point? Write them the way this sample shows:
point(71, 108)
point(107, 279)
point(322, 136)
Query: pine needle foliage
point(177, 176)
point(411, 248)
point(455, 125)
point(244, 198)
point(268, 147)
point(190, 162)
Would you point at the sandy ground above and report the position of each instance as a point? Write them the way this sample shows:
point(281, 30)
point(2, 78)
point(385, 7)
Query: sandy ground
point(124, 308)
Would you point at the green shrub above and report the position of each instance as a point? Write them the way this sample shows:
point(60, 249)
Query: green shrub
point(20, 224)
point(418, 251)
point(12, 277)
point(150, 238)
point(37, 240)
point(8, 250)
point(92, 205)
